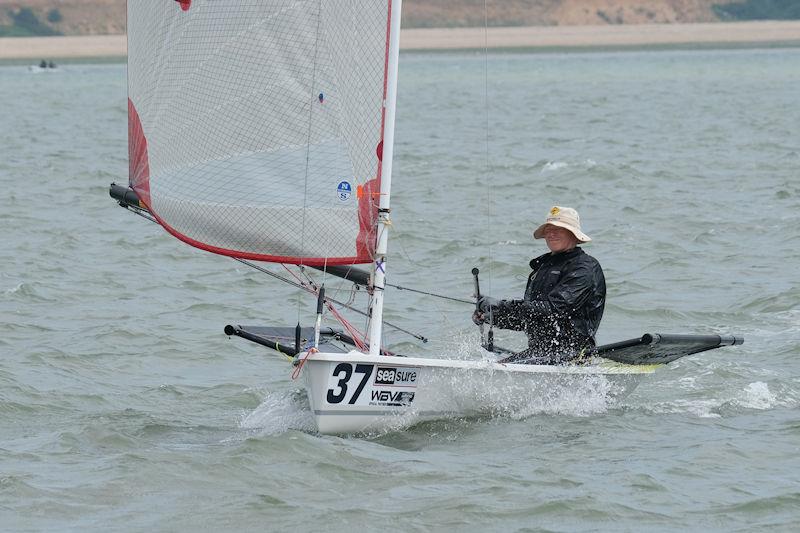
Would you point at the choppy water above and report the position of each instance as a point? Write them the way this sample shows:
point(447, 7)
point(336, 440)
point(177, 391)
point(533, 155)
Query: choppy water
point(123, 407)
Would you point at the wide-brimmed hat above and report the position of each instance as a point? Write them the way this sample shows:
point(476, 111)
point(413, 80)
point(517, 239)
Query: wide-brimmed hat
point(563, 217)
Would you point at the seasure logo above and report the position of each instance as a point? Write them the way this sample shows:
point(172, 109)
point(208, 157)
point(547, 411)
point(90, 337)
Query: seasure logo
point(400, 377)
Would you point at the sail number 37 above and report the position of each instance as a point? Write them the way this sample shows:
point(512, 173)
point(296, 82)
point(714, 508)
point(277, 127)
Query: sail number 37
point(344, 372)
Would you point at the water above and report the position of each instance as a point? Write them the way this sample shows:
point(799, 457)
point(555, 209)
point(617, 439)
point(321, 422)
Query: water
point(123, 407)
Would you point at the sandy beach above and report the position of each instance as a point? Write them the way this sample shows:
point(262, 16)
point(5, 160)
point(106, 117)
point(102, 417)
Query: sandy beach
point(633, 35)
point(539, 37)
point(72, 47)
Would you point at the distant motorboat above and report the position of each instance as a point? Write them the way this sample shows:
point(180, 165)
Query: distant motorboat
point(43, 66)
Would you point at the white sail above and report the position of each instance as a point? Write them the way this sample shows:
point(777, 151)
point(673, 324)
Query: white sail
point(254, 125)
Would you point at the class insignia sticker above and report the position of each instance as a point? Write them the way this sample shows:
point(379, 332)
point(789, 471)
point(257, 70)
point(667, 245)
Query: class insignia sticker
point(344, 190)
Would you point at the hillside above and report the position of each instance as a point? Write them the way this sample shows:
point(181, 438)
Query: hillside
point(92, 17)
point(447, 13)
point(61, 17)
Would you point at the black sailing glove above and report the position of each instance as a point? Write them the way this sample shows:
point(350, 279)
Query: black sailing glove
point(486, 303)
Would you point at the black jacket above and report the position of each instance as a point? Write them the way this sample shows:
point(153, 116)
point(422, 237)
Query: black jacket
point(562, 307)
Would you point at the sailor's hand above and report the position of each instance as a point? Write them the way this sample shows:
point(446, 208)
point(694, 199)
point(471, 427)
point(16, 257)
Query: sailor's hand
point(486, 303)
point(478, 318)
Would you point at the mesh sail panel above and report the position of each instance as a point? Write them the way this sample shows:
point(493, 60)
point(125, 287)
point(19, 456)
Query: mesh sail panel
point(252, 123)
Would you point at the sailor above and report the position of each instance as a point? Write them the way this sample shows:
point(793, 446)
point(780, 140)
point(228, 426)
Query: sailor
point(563, 301)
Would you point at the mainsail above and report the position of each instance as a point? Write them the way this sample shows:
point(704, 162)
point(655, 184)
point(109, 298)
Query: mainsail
point(256, 127)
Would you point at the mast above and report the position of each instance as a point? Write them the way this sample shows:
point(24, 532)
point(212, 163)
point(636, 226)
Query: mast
point(390, 103)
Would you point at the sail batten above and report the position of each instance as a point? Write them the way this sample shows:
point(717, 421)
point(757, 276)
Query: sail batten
point(253, 125)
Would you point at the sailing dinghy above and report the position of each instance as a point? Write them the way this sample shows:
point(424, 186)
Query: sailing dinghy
point(263, 131)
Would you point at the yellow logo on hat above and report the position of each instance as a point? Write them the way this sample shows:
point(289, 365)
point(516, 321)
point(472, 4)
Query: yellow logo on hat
point(555, 211)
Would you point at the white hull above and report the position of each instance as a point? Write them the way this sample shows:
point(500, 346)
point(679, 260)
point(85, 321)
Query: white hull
point(356, 392)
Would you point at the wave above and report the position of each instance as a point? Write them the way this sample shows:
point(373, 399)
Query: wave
point(280, 412)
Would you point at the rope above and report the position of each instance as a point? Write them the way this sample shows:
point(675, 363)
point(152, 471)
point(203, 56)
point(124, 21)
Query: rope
point(296, 372)
point(358, 337)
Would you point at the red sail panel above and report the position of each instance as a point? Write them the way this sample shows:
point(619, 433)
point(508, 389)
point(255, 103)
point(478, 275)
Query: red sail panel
point(138, 165)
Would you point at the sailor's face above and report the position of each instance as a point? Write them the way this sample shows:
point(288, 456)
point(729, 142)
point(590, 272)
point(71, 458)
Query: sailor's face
point(559, 239)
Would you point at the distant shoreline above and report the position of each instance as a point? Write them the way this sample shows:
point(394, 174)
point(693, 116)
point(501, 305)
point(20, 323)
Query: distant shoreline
point(624, 36)
point(533, 38)
point(68, 47)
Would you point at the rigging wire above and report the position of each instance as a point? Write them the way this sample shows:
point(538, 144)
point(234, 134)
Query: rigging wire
point(489, 195)
point(342, 304)
point(444, 315)
point(308, 145)
point(438, 309)
point(442, 296)
point(486, 130)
